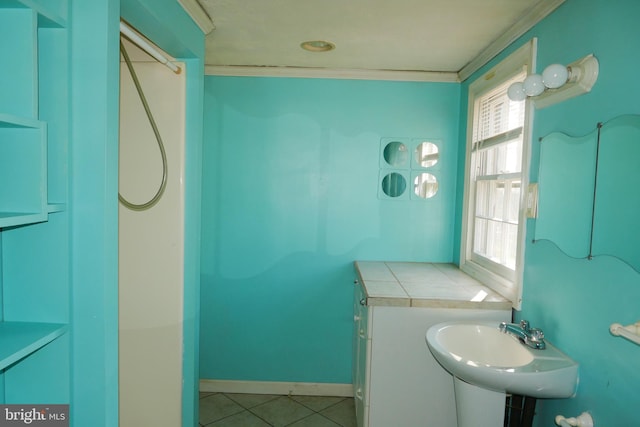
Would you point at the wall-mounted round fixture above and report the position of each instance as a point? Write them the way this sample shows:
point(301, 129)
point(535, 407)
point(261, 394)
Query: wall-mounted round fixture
point(317, 46)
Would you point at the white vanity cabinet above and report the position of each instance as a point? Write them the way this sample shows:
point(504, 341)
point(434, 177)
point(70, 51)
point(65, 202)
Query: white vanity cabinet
point(397, 382)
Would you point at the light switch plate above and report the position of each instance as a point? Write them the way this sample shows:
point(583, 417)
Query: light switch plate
point(532, 201)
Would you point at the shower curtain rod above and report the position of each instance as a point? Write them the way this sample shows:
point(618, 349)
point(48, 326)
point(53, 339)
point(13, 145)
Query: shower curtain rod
point(139, 41)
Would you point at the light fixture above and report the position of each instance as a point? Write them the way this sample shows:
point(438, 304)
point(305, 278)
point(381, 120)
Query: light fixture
point(557, 82)
point(317, 46)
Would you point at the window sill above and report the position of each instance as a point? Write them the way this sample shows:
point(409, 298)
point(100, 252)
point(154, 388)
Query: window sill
point(507, 288)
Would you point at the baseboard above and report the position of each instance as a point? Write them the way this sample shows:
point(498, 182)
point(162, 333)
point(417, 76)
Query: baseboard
point(277, 387)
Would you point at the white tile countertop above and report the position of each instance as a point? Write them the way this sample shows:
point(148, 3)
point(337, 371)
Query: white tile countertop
point(418, 284)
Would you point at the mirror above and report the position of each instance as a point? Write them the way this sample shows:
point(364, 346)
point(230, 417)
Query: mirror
point(395, 154)
point(394, 184)
point(426, 154)
point(425, 185)
point(565, 191)
point(589, 196)
point(616, 217)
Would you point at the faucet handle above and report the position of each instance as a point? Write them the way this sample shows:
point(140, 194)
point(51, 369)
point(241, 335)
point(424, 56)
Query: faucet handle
point(524, 324)
point(537, 339)
point(537, 334)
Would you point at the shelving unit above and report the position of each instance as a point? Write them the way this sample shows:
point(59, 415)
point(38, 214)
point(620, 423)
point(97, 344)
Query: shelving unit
point(24, 180)
point(34, 222)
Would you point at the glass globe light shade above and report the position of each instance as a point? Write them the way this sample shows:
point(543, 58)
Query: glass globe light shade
point(516, 92)
point(533, 85)
point(555, 75)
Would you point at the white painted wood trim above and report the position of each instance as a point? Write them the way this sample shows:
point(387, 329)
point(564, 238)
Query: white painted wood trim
point(276, 387)
point(331, 73)
point(524, 55)
point(538, 12)
point(198, 14)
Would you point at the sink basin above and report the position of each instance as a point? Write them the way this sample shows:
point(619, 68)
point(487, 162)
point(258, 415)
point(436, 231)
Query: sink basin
point(480, 354)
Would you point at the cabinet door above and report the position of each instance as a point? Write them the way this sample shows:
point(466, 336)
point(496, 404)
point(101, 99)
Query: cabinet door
point(362, 348)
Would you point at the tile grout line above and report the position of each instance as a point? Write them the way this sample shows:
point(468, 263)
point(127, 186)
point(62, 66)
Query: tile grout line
point(258, 416)
point(314, 412)
point(230, 415)
point(310, 415)
point(270, 401)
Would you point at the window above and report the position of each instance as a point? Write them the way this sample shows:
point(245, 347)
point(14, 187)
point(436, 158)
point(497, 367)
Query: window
point(497, 170)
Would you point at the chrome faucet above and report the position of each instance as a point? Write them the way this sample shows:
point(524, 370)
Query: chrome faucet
point(532, 337)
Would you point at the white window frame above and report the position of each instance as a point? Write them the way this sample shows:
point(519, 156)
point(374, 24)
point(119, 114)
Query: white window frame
point(506, 282)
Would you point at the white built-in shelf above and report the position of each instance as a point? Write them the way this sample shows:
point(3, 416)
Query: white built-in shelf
point(20, 339)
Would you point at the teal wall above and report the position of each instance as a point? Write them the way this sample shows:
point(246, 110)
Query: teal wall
point(93, 171)
point(93, 159)
point(575, 300)
point(291, 198)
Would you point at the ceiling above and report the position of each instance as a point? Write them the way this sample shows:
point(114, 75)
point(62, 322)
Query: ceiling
point(436, 37)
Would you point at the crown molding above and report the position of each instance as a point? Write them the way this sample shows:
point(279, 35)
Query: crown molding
point(533, 16)
point(198, 14)
point(331, 73)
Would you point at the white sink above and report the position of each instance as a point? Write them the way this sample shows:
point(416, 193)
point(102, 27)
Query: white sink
point(480, 354)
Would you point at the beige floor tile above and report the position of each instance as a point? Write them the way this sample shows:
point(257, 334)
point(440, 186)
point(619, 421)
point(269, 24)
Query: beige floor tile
point(343, 413)
point(242, 419)
point(251, 400)
point(281, 411)
point(315, 420)
point(217, 406)
point(317, 403)
point(260, 410)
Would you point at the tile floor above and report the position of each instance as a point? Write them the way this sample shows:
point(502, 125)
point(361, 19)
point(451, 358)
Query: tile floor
point(264, 410)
